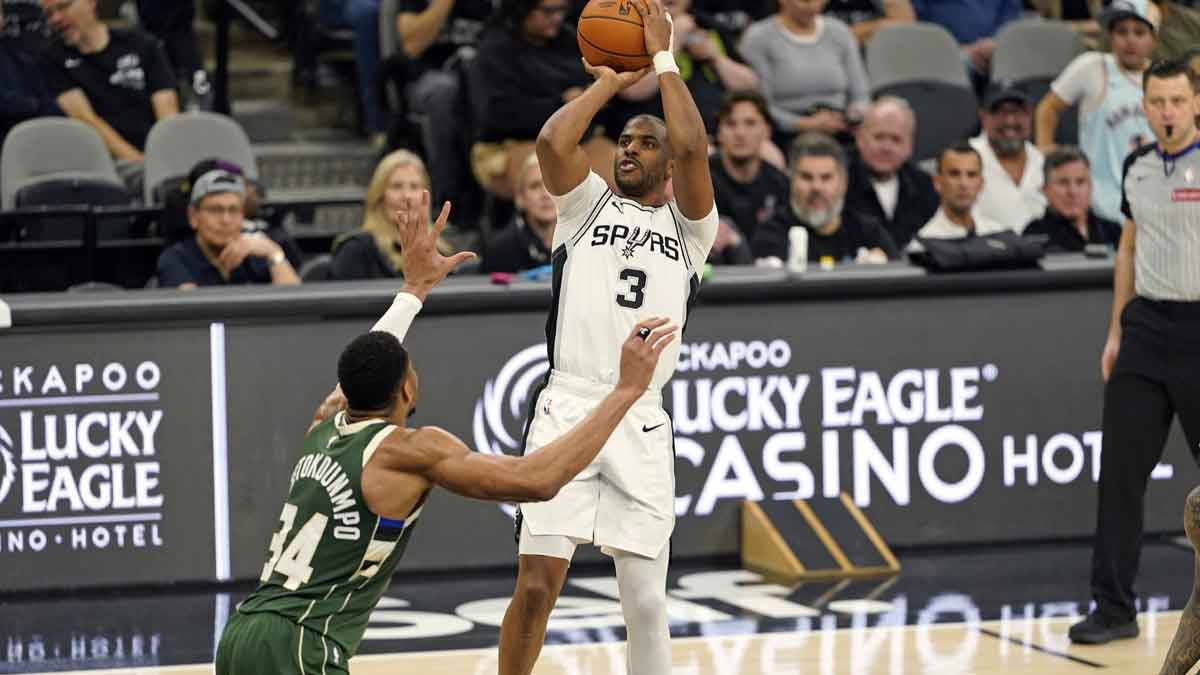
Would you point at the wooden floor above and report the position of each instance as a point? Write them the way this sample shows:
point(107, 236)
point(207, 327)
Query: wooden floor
point(1029, 647)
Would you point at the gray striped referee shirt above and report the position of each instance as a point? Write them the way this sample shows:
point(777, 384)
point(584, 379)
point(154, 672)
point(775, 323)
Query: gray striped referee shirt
point(1161, 194)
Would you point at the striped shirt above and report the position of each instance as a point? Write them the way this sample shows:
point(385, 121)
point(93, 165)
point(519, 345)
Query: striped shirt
point(1161, 194)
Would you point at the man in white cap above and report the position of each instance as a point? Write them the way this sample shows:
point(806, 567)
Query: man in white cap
point(221, 253)
point(1108, 89)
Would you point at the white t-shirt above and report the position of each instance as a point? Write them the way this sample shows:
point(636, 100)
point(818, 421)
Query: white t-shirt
point(941, 227)
point(1010, 204)
point(888, 192)
point(1082, 82)
point(617, 262)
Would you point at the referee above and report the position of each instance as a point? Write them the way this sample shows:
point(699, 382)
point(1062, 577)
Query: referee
point(1151, 362)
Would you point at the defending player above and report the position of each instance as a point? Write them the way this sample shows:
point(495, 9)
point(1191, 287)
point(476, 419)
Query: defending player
point(361, 483)
point(616, 255)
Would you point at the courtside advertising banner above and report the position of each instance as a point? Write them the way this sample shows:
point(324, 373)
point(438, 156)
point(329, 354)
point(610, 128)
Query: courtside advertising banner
point(106, 463)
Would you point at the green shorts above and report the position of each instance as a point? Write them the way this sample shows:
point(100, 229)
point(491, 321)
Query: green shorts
point(263, 642)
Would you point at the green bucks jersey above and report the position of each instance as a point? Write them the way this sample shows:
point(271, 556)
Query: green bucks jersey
point(331, 558)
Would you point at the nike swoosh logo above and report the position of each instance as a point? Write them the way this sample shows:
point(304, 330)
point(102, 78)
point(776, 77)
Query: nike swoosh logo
point(647, 429)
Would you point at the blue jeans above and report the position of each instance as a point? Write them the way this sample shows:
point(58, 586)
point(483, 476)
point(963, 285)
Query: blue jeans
point(361, 16)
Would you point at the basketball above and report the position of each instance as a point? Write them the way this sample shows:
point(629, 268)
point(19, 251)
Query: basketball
point(610, 34)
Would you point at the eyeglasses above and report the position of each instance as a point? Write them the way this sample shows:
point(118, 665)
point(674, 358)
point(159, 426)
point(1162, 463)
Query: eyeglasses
point(221, 211)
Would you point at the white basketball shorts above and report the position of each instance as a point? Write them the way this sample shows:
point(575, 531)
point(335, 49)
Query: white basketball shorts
point(625, 498)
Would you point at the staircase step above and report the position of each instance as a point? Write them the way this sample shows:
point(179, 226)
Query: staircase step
point(307, 166)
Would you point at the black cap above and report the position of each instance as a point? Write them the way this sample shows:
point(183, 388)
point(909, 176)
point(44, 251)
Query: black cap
point(1000, 92)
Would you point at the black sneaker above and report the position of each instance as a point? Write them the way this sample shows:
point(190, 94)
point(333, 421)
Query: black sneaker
point(1097, 629)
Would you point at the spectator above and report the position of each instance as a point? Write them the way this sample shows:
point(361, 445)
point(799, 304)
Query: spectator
point(1012, 166)
point(748, 189)
point(527, 68)
point(374, 251)
point(173, 224)
point(221, 253)
point(974, 23)
point(732, 16)
point(117, 81)
point(171, 21)
point(818, 196)
point(865, 17)
point(362, 17)
point(1080, 15)
point(525, 243)
point(1069, 221)
point(705, 65)
point(1108, 89)
point(1179, 29)
point(432, 32)
point(23, 92)
point(885, 186)
point(958, 182)
point(810, 67)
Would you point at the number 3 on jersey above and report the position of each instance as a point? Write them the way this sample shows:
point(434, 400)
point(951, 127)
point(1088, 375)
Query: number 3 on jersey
point(294, 561)
point(636, 295)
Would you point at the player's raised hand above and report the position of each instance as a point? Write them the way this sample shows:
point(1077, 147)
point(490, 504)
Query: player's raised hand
point(639, 354)
point(622, 80)
point(423, 265)
point(656, 26)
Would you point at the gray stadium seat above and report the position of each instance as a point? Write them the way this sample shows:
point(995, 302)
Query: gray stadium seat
point(1029, 55)
point(52, 149)
point(914, 52)
point(175, 145)
point(922, 64)
point(319, 268)
point(1034, 49)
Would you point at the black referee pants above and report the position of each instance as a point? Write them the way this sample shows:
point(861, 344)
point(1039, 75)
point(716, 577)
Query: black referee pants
point(1157, 376)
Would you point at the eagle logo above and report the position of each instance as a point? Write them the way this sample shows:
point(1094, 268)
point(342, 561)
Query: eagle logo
point(9, 473)
point(500, 411)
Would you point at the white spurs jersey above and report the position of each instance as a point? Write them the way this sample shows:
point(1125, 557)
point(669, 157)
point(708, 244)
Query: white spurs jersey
point(617, 262)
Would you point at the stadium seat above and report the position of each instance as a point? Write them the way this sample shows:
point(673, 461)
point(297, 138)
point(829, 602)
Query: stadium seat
point(52, 152)
point(1034, 49)
point(176, 143)
point(1029, 55)
point(914, 52)
point(922, 64)
point(319, 268)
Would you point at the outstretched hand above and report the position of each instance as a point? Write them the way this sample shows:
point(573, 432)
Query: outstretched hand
point(423, 266)
point(640, 352)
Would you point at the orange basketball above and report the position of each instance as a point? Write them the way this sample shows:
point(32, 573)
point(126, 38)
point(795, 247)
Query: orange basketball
point(610, 34)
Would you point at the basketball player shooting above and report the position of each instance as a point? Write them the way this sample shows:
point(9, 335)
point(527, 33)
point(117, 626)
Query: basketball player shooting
point(363, 479)
point(617, 256)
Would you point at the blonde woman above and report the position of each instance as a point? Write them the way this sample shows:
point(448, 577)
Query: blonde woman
point(374, 251)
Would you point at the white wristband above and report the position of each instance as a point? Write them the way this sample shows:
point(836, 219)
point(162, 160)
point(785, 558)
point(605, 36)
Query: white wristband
point(664, 62)
point(399, 316)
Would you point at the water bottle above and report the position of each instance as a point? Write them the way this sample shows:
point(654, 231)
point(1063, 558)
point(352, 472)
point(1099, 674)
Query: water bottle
point(798, 249)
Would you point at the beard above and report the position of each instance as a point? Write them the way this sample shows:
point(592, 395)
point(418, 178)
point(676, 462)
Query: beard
point(630, 186)
point(818, 217)
point(1007, 147)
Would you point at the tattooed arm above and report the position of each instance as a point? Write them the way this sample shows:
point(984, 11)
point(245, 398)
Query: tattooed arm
point(1185, 648)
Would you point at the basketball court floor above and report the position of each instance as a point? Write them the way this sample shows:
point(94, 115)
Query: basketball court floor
point(992, 610)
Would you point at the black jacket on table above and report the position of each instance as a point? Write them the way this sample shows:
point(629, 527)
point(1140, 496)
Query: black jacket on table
point(514, 249)
point(771, 239)
point(915, 205)
point(1064, 238)
point(521, 85)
